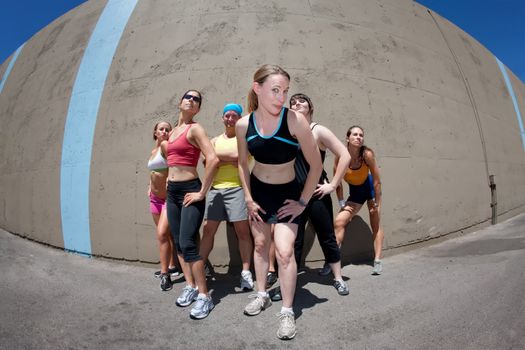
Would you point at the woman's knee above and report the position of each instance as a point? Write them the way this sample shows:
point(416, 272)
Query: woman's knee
point(284, 256)
point(244, 236)
point(261, 245)
point(163, 234)
point(341, 222)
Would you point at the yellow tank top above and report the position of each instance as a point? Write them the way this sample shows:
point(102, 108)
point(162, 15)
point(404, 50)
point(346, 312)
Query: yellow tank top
point(357, 176)
point(227, 176)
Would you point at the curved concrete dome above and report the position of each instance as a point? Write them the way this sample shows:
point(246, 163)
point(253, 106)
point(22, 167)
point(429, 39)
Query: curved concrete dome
point(78, 102)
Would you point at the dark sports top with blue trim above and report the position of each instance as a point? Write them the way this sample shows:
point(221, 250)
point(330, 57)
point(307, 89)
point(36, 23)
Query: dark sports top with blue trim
point(278, 148)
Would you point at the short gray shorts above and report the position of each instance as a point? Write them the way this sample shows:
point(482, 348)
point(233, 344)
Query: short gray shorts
point(226, 204)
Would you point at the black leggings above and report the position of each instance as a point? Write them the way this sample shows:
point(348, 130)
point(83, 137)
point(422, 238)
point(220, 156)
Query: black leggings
point(321, 216)
point(185, 221)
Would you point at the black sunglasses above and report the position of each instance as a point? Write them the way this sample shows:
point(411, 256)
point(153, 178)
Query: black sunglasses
point(191, 97)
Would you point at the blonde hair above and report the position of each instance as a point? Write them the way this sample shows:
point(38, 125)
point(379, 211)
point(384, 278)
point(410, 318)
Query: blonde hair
point(260, 77)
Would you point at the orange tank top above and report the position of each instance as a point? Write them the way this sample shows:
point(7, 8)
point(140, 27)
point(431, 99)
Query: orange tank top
point(357, 176)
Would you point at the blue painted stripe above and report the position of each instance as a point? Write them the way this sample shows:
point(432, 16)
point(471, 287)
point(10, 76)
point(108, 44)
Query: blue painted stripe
point(81, 121)
point(10, 67)
point(514, 100)
point(285, 140)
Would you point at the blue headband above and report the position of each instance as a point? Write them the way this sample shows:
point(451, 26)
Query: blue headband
point(232, 107)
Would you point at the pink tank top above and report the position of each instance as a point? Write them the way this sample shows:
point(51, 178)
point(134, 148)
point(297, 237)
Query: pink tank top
point(181, 152)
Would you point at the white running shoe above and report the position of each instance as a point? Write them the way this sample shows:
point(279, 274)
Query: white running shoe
point(246, 280)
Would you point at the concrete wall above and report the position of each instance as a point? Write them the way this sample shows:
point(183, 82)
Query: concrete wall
point(432, 100)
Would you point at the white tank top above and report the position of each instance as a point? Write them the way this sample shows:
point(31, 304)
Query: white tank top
point(158, 163)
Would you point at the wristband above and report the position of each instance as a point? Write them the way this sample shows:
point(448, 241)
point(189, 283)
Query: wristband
point(342, 203)
point(301, 202)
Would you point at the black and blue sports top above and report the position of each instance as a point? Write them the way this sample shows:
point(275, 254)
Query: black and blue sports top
point(278, 148)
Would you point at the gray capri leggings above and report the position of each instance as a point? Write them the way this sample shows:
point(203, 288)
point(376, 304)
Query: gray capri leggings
point(185, 221)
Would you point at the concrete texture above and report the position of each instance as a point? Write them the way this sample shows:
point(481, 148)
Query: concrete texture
point(465, 293)
point(431, 99)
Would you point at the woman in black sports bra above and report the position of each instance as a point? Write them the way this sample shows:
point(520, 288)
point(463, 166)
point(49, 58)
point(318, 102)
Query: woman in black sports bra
point(273, 134)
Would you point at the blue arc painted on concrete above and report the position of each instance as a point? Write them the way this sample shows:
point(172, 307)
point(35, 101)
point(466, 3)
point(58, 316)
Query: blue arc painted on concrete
point(81, 121)
point(514, 100)
point(9, 67)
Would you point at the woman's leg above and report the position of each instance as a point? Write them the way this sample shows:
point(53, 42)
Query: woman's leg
point(242, 230)
point(377, 230)
point(173, 212)
point(174, 261)
point(191, 220)
point(284, 237)
point(163, 236)
point(261, 233)
point(271, 255)
point(321, 216)
point(208, 237)
point(342, 219)
point(299, 238)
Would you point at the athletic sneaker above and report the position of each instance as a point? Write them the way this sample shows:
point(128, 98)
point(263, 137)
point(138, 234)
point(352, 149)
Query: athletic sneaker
point(275, 294)
point(246, 280)
point(341, 287)
point(188, 296)
point(173, 271)
point(202, 308)
point(325, 271)
point(286, 326)
point(258, 304)
point(271, 278)
point(378, 267)
point(165, 282)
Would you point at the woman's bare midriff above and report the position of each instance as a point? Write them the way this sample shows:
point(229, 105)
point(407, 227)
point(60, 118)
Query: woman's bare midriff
point(274, 173)
point(158, 183)
point(182, 173)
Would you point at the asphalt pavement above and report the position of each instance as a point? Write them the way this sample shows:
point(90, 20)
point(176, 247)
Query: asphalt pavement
point(463, 293)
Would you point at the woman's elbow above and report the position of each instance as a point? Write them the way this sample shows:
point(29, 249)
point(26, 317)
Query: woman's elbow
point(212, 161)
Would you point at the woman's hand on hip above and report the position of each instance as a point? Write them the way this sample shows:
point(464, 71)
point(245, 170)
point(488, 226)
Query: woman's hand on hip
point(253, 211)
point(290, 208)
point(192, 197)
point(324, 189)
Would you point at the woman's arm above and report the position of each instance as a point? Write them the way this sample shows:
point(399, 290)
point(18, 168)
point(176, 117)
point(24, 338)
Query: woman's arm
point(330, 141)
point(370, 160)
point(301, 130)
point(339, 188)
point(226, 156)
point(198, 135)
point(164, 149)
point(244, 172)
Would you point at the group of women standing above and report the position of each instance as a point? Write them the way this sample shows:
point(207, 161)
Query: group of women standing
point(285, 187)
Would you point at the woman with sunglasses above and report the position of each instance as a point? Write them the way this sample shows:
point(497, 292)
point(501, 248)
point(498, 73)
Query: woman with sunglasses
point(158, 166)
point(272, 134)
point(319, 209)
point(364, 185)
point(185, 201)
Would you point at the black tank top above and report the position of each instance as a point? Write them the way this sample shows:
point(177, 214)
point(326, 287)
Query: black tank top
point(302, 167)
point(279, 148)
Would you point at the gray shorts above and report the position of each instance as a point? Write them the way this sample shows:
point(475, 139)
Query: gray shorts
point(226, 204)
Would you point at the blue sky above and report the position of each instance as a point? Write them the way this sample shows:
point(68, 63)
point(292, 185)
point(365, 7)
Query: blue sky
point(497, 24)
